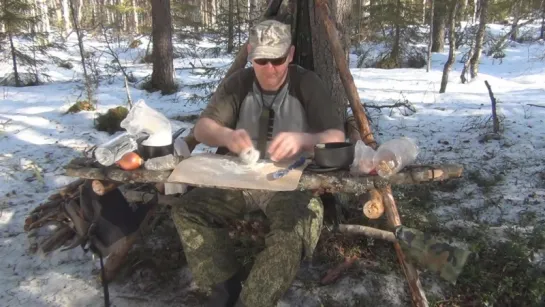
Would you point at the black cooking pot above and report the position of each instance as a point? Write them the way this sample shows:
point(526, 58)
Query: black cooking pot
point(149, 152)
point(336, 154)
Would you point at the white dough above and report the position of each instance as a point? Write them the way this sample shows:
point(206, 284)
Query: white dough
point(249, 156)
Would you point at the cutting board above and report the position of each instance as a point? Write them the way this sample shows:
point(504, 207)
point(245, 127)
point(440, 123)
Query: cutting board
point(223, 171)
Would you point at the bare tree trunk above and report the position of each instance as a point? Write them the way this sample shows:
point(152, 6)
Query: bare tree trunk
point(516, 18)
point(213, 11)
point(474, 63)
point(252, 13)
point(230, 25)
point(87, 79)
point(79, 12)
point(58, 12)
point(453, 7)
point(135, 16)
point(430, 43)
point(13, 52)
point(324, 63)
point(44, 8)
point(66, 16)
point(439, 23)
point(163, 67)
point(475, 10)
point(542, 34)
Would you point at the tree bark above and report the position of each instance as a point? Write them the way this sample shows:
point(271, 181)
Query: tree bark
point(87, 79)
point(439, 24)
point(14, 58)
point(66, 16)
point(339, 181)
point(135, 17)
point(163, 68)
point(230, 26)
point(479, 38)
point(430, 43)
point(324, 64)
point(453, 7)
point(542, 34)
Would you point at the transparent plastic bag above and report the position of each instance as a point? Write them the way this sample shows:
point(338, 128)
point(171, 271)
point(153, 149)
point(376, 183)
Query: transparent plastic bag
point(144, 119)
point(181, 149)
point(363, 159)
point(394, 155)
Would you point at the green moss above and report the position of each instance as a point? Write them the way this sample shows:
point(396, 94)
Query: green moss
point(110, 121)
point(79, 106)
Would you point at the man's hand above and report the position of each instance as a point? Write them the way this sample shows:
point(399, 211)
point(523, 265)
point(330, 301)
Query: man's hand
point(286, 144)
point(238, 140)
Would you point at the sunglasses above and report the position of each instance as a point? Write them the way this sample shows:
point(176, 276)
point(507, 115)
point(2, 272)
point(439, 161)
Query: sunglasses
point(274, 62)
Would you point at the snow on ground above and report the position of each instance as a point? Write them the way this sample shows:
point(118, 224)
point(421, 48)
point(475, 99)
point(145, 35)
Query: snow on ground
point(37, 138)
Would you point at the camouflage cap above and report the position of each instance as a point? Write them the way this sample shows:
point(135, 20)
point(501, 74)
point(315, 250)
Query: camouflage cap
point(269, 39)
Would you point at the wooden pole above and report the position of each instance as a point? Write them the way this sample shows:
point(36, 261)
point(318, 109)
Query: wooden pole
point(417, 293)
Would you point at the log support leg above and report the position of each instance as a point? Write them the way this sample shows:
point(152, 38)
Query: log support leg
point(417, 294)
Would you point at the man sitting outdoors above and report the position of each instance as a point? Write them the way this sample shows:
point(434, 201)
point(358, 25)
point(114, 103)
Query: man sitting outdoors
point(282, 110)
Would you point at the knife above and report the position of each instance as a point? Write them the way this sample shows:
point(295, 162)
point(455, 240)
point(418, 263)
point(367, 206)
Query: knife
point(283, 172)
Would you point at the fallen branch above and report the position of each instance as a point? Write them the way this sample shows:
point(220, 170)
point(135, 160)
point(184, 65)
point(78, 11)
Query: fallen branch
point(334, 273)
point(368, 232)
point(495, 120)
point(535, 105)
point(391, 106)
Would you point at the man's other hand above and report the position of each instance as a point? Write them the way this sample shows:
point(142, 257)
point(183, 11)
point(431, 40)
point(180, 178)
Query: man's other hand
point(287, 144)
point(238, 140)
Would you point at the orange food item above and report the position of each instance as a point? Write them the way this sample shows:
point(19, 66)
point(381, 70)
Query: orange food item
point(130, 161)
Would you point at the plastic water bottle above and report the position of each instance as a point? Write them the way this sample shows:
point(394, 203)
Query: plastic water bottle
point(114, 149)
point(393, 155)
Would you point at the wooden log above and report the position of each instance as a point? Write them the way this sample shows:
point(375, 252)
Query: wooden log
point(70, 188)
point(53, 215)
point(373, 208)
point(101, 188)
point(336, 181)
point(47, 205)
point(57, 239)
point(368, 232)
point(417, 293)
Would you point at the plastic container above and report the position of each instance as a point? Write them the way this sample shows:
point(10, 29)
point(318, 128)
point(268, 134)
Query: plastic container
point(363, 159)
point(394, 155)
point(110, 152)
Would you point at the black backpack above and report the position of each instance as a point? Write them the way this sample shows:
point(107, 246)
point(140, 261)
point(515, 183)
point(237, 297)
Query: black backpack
point(102, 222)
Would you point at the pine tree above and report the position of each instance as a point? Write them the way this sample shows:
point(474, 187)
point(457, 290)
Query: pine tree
point(16, 16)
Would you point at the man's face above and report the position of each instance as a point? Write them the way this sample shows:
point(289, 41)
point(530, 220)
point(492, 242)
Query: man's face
point(271, 73)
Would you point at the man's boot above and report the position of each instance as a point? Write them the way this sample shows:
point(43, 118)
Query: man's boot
point(225, 294)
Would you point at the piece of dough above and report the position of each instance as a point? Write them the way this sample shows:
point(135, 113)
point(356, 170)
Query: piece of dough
point(249, 156)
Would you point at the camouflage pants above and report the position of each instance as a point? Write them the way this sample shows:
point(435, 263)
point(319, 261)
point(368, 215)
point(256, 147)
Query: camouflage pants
point(295, 224)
